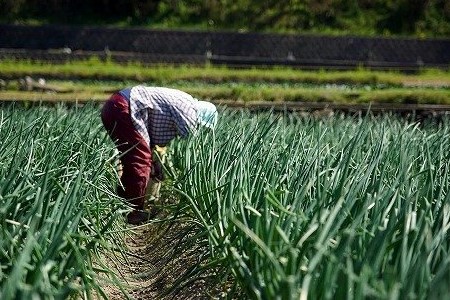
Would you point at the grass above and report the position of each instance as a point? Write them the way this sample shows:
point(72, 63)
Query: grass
point(94, 91)
point(163, 74)
point(94, 80)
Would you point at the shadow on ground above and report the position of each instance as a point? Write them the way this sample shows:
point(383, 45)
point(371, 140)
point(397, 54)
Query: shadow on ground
point(158, 255)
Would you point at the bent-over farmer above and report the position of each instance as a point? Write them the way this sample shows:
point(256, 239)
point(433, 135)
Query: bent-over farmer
point(140, 118)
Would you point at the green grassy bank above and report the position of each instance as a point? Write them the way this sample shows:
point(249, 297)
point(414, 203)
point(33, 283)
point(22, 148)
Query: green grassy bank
point(94, 80)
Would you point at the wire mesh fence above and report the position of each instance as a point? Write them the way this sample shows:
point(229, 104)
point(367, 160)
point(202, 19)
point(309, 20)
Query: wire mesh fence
point(63, 43)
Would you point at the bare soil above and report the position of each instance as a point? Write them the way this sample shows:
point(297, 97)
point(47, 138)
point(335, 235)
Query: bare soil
point(158, 255)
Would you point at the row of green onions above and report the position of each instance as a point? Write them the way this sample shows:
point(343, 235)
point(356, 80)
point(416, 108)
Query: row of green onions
point(293, 207)
point(286, 206)
point(58, 214)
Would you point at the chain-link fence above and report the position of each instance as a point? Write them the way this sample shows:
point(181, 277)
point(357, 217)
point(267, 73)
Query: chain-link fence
point(62, 43)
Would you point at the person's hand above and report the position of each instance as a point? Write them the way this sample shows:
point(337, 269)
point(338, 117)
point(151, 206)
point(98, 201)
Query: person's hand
point(157, 171)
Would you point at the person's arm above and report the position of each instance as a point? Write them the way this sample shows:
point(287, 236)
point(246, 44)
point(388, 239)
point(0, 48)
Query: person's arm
point(185, 119)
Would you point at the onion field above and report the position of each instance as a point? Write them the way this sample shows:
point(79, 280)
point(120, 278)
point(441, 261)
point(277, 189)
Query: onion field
point(286, 206)
point(57, 212)
point(338, 208)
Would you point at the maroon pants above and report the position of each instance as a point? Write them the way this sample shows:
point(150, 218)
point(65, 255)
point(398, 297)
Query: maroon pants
point(135, 157)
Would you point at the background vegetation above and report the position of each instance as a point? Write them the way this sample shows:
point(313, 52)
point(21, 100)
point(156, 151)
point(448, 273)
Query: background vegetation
point(94, 80)
point(421, 18)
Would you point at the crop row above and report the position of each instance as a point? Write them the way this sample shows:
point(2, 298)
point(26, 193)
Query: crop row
point(58, 215)
point(297, 208)
point(287, 206)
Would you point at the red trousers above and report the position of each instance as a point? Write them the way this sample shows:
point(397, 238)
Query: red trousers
point(136, 156)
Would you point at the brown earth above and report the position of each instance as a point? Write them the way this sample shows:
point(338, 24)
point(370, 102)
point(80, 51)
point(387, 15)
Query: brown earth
point(158, 254)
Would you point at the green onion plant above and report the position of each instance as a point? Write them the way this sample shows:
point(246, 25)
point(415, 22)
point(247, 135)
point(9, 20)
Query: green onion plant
point(58, 214)
point(295, 207)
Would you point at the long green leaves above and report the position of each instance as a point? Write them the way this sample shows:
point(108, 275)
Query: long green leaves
point(304, 208)
point(55, 204)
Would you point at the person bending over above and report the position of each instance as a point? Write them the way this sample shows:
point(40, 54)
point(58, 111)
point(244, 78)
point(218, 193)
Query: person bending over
point(140, 118)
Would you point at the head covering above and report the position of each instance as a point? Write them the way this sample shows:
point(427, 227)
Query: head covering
point(206, 114)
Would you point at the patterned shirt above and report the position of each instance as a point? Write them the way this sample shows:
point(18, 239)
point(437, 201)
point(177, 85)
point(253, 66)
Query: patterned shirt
point(160, 114)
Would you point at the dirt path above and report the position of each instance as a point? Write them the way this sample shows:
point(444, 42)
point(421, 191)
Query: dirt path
point(158, 255)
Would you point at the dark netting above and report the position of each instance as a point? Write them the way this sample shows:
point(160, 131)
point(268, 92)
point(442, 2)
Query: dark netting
point(62, 43)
